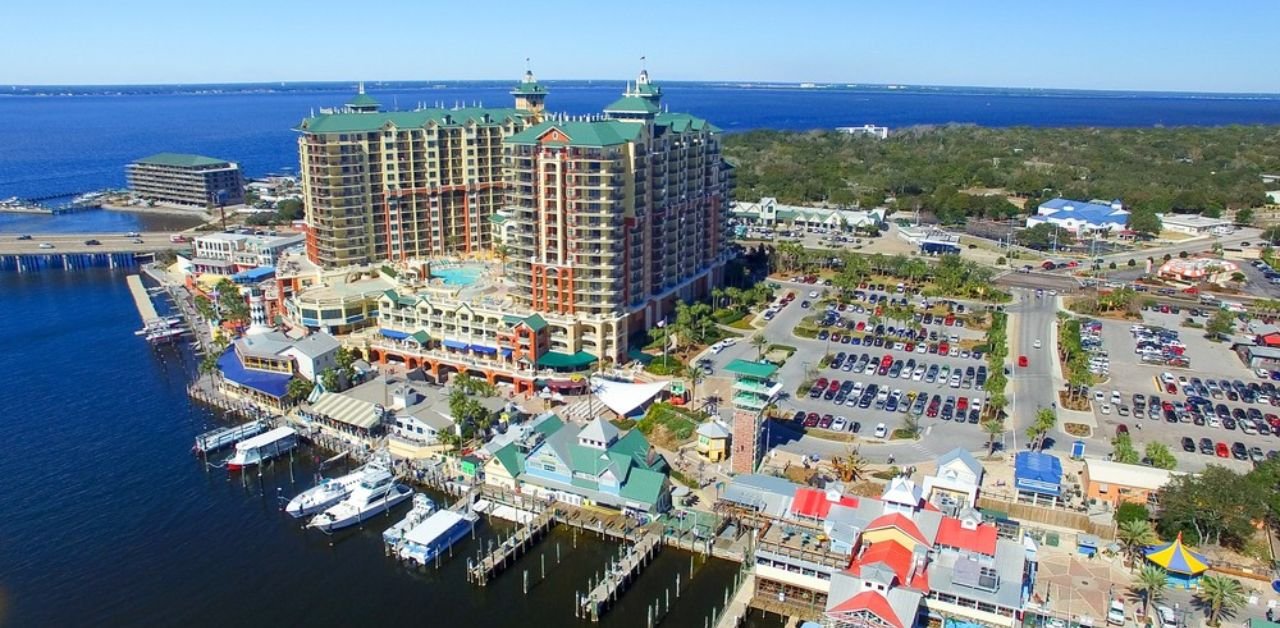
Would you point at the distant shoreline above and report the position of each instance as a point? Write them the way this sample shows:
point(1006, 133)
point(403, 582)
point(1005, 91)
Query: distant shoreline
point(194, 214)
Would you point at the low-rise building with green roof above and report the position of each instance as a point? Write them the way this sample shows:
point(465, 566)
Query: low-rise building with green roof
point(186, 180)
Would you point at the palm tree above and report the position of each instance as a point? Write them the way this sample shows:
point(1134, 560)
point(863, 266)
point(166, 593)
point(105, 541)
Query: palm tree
point(717, 296)
point(1134, 536)
point(1150, 584)
point(850, 468)
point(993, 428)
point(694, 374)
point(299, 388)
point(1222, 595)
point(758, 341)
point(209, 364)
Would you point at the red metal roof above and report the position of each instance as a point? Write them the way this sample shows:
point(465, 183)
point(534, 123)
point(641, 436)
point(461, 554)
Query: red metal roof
point(871, 602)
point(1270, 340)
point(982, 540)
point(813, 503)
point(895, 557)
point(901, 522)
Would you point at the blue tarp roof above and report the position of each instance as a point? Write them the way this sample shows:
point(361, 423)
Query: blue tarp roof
point(254, 274)
point(392, 334)
point(1038, 472)
point(272, 384)
point(1092, 213)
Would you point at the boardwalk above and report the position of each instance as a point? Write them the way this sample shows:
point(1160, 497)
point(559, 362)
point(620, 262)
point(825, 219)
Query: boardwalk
point(511, 548)
point(146, 308)
point(619, 574)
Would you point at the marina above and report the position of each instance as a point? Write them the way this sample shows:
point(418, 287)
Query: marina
point(511, 548)
point(618, 576)
point(263, 447)
point(426, 542)
point(378, 491)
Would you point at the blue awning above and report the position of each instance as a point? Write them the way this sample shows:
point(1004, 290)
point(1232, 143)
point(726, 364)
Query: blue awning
point(454, 344)
point(485, 350)
point(254, 275)
point(506, 353)
point(393, 334)
point(1037, 472)
point(271, 384)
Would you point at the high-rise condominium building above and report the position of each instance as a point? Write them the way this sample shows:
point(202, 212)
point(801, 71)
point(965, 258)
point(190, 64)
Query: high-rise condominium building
point(395, 185)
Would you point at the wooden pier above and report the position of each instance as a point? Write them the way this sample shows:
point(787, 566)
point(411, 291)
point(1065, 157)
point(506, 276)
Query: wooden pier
point(618, 575)
point(146, 308)
point(511, 548)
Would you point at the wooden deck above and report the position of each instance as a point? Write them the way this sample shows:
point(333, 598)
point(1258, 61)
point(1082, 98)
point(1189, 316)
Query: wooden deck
point(510, 549)
point(618, 575)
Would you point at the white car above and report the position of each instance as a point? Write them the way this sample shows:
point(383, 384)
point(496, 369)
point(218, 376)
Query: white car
point(728, 342)
point(839, 424)
point(921, 348)
point(1036, 344)
point(881, 430)
point(976, 404)
point(1115, 614)
point(918, 374)
point(1106, 408)
point(1115, 397)
point(46, 245)
point(1168, 619)
point(813, 294)
point(1263, 373)
point(1098, 396)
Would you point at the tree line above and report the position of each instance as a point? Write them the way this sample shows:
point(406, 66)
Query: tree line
point(946, 170)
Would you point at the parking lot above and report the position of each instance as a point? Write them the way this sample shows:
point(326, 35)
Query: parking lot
point(1217, 412)
point(882, 373)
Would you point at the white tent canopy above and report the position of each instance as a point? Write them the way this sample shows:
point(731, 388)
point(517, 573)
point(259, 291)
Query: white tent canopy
point(621, 397)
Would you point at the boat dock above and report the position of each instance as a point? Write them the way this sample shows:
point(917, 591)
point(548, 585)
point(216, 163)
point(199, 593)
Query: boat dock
point(618, 575)
point(510, 549)
point(226, 436)
point(146, 308)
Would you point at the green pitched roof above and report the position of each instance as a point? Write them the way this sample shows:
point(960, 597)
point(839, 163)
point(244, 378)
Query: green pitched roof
point(181, 160)
point(556, 359)
point(362, 100)
point(632, 104)
point(533, 88)
point(587, 460)
point(643, 486)
point(683, 122)
point(366, 122)
point(549, 426)
point(635, 446)
point(757, 370)
point(421, 337)
point(511, 459)
point(497, 218)
point(535, 321)
point(594, 133)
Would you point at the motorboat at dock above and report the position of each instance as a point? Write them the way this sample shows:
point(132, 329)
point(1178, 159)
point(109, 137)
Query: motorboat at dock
point(329, 491)
point(375, 494)
point(434, 536)
point(263, 447)
point(422, 508)
point(226, 436)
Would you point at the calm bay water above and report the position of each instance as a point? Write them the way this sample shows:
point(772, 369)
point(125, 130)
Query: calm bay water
point(107, 519)
point(62, 144)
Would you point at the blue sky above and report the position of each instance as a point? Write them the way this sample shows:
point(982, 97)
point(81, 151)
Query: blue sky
point(1090, 44)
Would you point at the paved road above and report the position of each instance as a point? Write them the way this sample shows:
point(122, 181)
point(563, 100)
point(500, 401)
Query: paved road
point(1031, 318)
point(75, 243)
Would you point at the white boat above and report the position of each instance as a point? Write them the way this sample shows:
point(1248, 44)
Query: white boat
point(263, 447)
point(422, 508)
point(328, 492)
point(377, 493)
point(421, 545)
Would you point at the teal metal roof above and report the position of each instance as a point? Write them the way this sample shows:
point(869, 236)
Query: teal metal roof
point(595, 133)
point(182, 160)
point(683, 122)
point(366, 122)
point(757, 370)
point(632, 104)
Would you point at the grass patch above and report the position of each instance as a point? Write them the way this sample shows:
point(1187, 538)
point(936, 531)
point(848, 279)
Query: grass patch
point(742, 323)
point(787, 349)
point(658, 367)
point(680, 477)
point(726, 316)
point(666, 422)
point(902, 434)
point(623, 424)
point(1076, 429)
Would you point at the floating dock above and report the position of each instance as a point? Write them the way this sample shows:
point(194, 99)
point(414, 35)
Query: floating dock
point(227, 436)
point(510, 549)
point(618, 575)
point(141, 299)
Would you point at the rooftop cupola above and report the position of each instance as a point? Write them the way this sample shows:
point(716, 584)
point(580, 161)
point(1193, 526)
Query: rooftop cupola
point(530, 95)
point(362, 102)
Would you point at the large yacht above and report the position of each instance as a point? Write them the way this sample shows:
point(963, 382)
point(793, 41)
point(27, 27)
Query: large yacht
point(329, 491)
point(376, 493)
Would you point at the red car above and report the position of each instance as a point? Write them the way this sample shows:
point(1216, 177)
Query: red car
point(1273, 421)
point(962, 404)
point(1222, 450)
point(1022, 361)
point(1171, 388)
point(911, 347)
point(826, 420)
point(861, 326)
point(811, 419)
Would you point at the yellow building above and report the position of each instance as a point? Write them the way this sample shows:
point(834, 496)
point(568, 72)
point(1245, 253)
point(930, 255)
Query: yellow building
point(713, 441)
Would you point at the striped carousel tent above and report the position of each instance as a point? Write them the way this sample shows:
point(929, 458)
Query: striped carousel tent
point(1183, 565)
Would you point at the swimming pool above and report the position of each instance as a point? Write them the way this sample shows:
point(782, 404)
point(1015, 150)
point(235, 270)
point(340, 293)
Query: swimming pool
point(458, 276)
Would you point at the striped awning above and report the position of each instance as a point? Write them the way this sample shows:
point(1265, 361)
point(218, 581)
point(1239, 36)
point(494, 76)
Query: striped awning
point(348, 410)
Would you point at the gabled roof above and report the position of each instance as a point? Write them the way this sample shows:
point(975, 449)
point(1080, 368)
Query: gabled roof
point(951, 532)
point(581, 133)
point(712, 429)
point(894, 557)
point(901, 522)
point(644, 486)
point(683, 122)
point(636, 446)
point(813, 503)
point(510, 459)
point(964, 457)
point(871, 602)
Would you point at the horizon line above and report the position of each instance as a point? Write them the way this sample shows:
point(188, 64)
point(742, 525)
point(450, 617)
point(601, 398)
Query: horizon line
point(816, 85)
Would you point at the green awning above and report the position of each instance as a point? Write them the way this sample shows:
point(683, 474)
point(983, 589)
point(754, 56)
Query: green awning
point(558, 360)
point(639, 356)
point(421, 337)
point(755, 370)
